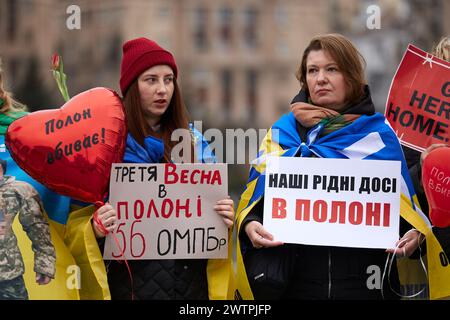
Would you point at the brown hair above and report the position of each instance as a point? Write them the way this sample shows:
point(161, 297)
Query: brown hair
point(350, 62)
point(442, 49)
point(9, 104)
point(175, 117)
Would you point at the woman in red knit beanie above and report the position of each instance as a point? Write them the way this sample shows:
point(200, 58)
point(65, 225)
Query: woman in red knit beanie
point(144, 63)
point(154, 109)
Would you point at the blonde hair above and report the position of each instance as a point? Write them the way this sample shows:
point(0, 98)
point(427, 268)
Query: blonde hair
point(442, 49)
point(9, 104)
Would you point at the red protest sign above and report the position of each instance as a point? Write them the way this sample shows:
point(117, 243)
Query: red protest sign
point(332, 202)
point(418, 105)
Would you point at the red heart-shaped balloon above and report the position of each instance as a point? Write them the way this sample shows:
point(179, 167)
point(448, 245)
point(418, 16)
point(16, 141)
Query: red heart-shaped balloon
point(436, 182)
point(70, 150)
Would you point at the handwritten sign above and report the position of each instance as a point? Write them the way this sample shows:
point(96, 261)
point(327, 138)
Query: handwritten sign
point(165, 211)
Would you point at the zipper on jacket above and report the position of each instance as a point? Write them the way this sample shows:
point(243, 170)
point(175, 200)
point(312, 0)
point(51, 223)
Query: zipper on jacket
point(329, 273)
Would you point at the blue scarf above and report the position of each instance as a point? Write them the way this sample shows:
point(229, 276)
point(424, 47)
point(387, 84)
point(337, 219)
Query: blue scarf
point(153, 149)
point(151, 152)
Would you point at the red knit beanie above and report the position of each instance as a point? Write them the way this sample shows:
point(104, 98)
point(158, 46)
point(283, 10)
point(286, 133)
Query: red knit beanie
point(139, 55)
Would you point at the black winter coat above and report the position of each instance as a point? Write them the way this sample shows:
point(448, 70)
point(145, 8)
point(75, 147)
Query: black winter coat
point(158, 280)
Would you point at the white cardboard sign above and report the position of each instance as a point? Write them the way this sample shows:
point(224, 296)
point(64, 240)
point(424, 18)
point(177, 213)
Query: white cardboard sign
point(333, 202)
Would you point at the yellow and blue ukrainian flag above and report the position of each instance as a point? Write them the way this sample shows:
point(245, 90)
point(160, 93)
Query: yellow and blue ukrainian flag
point(368, 137)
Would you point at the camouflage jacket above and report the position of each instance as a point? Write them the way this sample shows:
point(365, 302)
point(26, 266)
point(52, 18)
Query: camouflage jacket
point(21, 199)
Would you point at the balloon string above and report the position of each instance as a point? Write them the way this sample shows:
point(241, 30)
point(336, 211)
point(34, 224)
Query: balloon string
point(390, 261)
point(102, 228)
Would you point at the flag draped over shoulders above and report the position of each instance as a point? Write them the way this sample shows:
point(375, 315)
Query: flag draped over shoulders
point(369, 137)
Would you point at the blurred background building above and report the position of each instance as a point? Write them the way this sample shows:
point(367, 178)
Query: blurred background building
point(237, 58)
